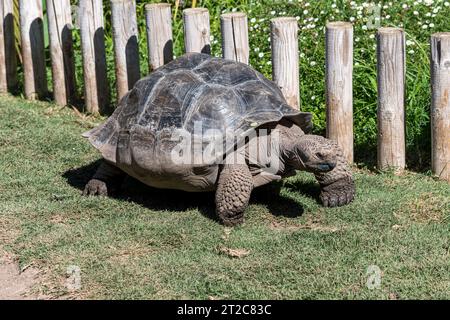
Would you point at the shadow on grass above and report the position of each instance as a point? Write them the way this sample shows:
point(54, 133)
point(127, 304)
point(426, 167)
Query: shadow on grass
point(179, 201)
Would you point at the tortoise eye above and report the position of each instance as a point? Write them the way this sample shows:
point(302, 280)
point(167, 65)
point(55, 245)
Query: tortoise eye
point(320, 155)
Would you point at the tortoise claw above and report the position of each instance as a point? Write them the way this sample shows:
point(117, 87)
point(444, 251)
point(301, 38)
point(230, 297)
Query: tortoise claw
point(95, 188)
point(339, 193)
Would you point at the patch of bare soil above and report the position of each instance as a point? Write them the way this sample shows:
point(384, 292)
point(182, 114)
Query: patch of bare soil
point(16, 284)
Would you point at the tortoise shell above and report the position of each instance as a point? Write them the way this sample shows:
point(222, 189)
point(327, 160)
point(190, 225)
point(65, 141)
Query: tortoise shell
point(222, 94)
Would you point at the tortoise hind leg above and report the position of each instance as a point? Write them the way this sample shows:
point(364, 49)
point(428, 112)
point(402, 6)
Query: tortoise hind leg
point(106, 180)
point(233, 193)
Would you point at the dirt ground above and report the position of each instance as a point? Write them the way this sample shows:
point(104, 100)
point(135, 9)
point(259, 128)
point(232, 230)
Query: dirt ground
point(16, 284)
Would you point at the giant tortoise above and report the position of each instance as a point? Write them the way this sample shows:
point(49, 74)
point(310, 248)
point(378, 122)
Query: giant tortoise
point(202, 123)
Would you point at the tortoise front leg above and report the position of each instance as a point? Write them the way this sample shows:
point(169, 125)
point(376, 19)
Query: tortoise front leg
point(233, 193)
point(106, 180)
point(337, 185)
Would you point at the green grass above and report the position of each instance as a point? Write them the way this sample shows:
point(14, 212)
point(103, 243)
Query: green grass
point(155, 244)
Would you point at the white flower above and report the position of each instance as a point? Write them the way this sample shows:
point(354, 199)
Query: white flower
point(356, 63)
point(428, 2)
point(447, 4)
point(272, 12)
point(302, 55)
point(388, 17)
point(261, 54)
point(416, 13)
point(305, 11)
point(364, 27)
point(313, 97)
point(372, 36)
point(424, 26)
point(269, 62)
point(333, 5)
point(404, 6)
point(428, 14)
point(431, 25)
point(312, 63)
point(409, 42)
point(411, 51)
point(253, 20)
point(256, 49)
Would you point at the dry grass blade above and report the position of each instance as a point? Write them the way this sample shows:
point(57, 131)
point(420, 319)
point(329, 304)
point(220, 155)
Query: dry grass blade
point(234, 253)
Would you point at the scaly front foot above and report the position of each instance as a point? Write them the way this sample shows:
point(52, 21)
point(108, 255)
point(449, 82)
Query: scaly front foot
point(338, 193)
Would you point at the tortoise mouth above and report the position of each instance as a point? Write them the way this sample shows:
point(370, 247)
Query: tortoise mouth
point(320, 166)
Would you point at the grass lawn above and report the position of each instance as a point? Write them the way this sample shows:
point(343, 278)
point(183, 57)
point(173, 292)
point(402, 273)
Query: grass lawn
point(156, 244)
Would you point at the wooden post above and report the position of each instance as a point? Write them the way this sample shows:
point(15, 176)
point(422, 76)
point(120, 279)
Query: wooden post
point(339, 89)
point(285, 71)
point(234, 27)
point(440, 104)
point(391, 96)
point(159, 34)
point(33, 54)
point(8, 59)
point(126, 47)
point(94, 59)
point(61, 50)
point(196, 30)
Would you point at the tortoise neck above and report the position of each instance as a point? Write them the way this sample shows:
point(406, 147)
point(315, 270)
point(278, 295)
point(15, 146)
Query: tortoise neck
point(290, 135)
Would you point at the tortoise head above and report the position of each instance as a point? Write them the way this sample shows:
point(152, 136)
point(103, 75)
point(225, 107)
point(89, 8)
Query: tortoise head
point(314, 154)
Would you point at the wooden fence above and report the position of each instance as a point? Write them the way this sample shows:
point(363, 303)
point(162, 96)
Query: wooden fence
point(235, 45)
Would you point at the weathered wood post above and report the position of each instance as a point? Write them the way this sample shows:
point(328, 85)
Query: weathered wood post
point(94, 59)
point(61, 50)
point(234, 28)
point(391, 97)
point(159, 34)
point(339, 88)
point(8, 59)
point(196, 30)
point(33, 54)
point(440, 104)
point(285, 70)
point(126, 47)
